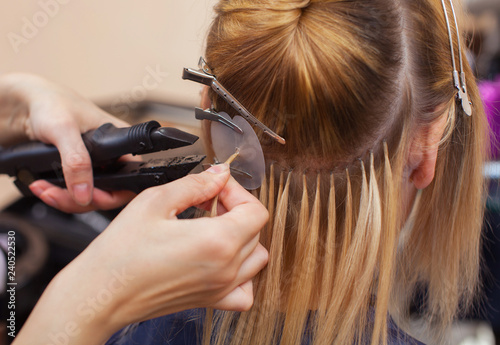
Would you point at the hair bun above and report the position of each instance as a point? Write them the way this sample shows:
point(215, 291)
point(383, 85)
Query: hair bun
point(287, 5)
point(303, 3)
point(224, 6)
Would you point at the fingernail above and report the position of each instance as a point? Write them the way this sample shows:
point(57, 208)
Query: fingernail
point(218, 169)
point(81, 193)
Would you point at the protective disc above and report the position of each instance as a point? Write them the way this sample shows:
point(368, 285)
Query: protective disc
point(249, 167)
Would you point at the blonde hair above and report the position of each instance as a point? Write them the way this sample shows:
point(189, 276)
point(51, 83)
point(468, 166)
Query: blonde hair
point(348, 84)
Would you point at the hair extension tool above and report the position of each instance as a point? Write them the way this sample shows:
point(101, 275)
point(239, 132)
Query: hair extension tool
point(106, 144)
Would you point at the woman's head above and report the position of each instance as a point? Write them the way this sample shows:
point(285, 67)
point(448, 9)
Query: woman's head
point(363, 93)
point(310, 73)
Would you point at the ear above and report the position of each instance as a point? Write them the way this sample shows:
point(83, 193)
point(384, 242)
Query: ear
point(423, 152)
point(206, 103)
point(205, 100)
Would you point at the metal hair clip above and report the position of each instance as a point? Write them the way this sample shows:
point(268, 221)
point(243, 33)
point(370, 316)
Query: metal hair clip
point(202, 64)
point(204, 76)
point(211, 115)
point(459, 81)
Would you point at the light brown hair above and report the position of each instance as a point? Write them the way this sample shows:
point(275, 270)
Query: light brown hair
point(348, 84)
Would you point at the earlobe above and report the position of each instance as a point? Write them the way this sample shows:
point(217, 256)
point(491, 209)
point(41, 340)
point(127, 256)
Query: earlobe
point(423, 175)
point(424, 151)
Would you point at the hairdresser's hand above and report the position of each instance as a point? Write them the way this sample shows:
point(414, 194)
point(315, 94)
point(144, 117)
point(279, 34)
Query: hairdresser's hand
point(182, 264)
point(32, 108)
point(148, 263)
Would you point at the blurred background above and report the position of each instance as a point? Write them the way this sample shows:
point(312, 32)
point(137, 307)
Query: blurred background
point(103, 49)
point(110, 51)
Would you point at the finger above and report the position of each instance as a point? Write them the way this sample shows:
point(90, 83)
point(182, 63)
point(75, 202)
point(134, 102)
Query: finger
point(188, 191)
point(226, 243)
point(58, 198)
point(75, 159)
point(240, 225)
point(207, 206)
point(61, 199)
point(243, 209)
point(241, 297)
point(76, 165)
point(130, 158)
point(108, 200)
point(234, 195)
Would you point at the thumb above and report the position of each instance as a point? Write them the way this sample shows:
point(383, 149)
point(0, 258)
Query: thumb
point(189, 191)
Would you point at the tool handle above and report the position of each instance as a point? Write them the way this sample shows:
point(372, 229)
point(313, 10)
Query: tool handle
point(108, 143)
point(105, 144)
point(137, 176)
point(26, 156)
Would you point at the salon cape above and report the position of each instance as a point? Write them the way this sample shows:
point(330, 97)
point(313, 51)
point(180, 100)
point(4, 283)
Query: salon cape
point(184, 328)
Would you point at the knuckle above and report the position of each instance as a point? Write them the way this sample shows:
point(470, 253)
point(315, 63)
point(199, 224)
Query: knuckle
point(221, 250)
point(206, 185)
point(264, 214)
point(259, 218)
point(228, 277)
point(64, 123)
point(77, 162)
point(221, 255)
point(262, 254)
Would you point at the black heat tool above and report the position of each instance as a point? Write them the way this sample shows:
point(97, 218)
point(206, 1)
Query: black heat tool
point(35, 160)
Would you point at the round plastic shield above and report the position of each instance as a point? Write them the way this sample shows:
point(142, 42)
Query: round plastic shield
point(249, 167)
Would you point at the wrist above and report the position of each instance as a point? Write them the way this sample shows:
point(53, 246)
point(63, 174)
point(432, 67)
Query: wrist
point(93, 307)
point(67, 313)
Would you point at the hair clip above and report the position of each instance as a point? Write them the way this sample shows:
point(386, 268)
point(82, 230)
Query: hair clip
point(212, 115)
point(202, 64)
point(458, 80)
point(204, 76)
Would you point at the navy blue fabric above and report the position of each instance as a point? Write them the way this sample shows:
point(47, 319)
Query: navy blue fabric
point(176, 329)
point(182, 329)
